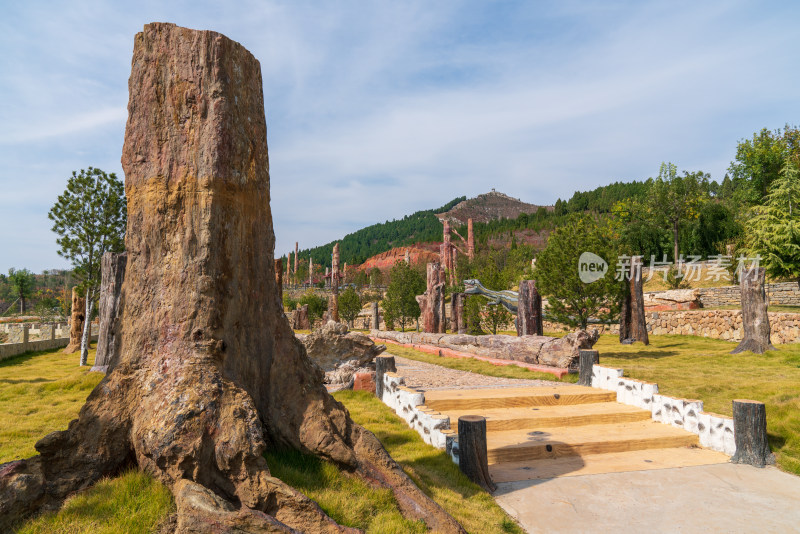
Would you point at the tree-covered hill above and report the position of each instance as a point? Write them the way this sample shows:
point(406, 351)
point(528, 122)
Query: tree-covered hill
point(355, 248)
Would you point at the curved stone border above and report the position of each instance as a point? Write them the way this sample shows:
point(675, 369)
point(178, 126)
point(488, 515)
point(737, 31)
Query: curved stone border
point(715, 431)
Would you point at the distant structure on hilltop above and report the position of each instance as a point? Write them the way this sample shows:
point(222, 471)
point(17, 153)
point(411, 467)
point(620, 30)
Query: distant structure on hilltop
point(488, 207)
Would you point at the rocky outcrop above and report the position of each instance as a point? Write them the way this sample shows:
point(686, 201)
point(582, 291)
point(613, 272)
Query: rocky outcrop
point(672, 299)
point(541, 350)
point(210, 374)
point(339, 353)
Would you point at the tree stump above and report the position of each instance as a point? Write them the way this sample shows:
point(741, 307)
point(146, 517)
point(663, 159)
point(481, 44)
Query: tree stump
point(632, 320)
point(376, 319)
point(300, 319)
point(587, 360)
point(529, 310)
point(383, 365)
point(472, 453)
point(750, 433)
point(110, 310)
point(755, 320)
point(76, 322)
point(210, 374)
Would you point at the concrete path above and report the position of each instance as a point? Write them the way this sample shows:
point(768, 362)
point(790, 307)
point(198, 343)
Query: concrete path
point(705, 499)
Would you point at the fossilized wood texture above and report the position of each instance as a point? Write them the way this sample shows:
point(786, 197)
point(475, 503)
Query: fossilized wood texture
point(632, 321)
point(333, 304)
point(108, 339)
point(529, 310)
point(76, 322)
point(431, 303)
point(279, 276)
point(210, 374)
point(300, 318)
point(755, 320)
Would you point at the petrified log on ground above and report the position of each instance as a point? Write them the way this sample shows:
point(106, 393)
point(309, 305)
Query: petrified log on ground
point(76, 322)
point(755, 320)
point(632, 322)
point(431, 303)
point(108, 339)
point(339, 353)
point(529, 310)
point(210, 374)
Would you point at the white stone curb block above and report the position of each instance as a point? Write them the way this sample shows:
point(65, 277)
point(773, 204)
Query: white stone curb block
point(410, 405)
point(715, 432)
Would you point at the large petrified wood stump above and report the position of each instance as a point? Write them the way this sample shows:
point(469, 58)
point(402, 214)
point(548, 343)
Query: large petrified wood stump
point(755, 319)
point(472, 451)
point(750, 432)
point(210, 374)
point(76, 322)
point(108, 339)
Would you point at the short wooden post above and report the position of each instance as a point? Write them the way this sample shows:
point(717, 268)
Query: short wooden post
point(25, 336)
point(472, 453)
point(587, 360)
point(750, 433)
point(529, 310)
point(383, 365)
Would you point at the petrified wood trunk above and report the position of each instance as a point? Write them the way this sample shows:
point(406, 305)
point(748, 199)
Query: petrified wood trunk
point(108, 340)
point(333, 306)
point(472, 451)
point(376, 319)
point(210, 374)
point(750, 433)
point(529, 310)
point(431, 303)
point(300, 318)
point(586, 362)
point(76, 322)
point(755, 320)
point(632, 321)
point(460, 325)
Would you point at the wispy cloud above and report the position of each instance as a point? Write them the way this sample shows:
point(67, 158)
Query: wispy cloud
point(379, 109)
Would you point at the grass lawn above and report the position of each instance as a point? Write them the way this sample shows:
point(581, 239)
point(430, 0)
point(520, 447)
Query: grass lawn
point(702, 368)
point(42, 392)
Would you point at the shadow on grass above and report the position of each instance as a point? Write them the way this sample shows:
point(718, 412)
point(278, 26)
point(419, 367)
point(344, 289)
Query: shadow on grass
point(654, 354)
point(24, 381)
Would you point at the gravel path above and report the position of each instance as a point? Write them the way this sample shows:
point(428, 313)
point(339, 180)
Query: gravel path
point(427, 376)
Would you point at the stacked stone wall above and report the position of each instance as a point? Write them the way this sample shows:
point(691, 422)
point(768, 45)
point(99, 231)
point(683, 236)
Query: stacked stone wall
point(780, 294)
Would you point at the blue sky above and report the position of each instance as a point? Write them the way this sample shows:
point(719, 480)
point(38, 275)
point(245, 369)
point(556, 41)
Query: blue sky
point(378, 109)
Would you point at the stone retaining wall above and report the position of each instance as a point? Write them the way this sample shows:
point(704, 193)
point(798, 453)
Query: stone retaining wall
point(716, 432)
point(23, 342)
point(715, 324)
point(780, 294)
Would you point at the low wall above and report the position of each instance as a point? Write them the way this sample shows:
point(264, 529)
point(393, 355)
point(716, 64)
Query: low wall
point(780, 294)
point(715, 324)
point(9, 350)
point(716, 432)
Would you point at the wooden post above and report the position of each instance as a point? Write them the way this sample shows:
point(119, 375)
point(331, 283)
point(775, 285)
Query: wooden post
point(472, 454)
point(461, 325)
point(25, 337)
point(750, 433)
point(529, 310)
point(383, 365)
point(587, 360)
point(755, 320)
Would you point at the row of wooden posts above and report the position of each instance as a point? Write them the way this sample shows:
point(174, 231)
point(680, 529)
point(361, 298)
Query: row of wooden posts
point(749, 420)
